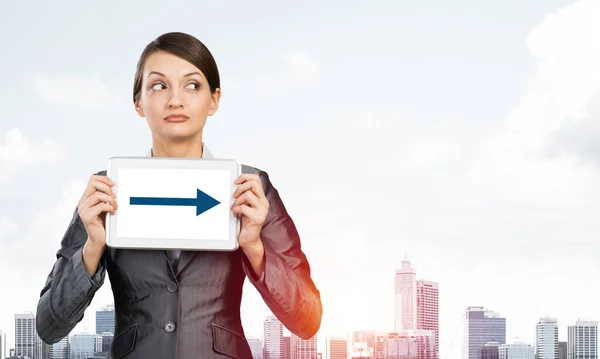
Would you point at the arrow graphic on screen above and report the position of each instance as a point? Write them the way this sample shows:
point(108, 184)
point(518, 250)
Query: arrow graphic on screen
point(202, 202)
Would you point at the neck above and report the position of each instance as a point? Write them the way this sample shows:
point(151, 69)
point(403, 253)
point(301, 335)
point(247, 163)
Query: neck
point(181, 149)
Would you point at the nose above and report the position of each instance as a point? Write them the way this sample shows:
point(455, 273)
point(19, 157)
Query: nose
point(175, 100)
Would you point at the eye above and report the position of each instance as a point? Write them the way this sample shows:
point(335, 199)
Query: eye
point(197, 85)
point(157, 86)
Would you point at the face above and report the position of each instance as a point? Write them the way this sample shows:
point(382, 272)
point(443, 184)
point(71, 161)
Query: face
point(175, 97)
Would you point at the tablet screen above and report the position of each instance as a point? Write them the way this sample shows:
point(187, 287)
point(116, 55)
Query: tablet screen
point(173, 203)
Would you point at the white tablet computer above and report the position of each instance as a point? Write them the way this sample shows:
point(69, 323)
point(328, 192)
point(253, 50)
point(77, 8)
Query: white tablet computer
point(173, 203)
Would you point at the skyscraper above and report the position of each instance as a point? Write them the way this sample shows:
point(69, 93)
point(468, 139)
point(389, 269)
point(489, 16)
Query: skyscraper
point(428, 309)
point(489, 351)
point(105, 320)
point(255, 347)
point(287, 351)
point(562, 350)
point(303, 348)
point(408, 343)
point(60, 350)
point(273, 336)
point(2, 344)
point(546, 339)
point(482, 326)
point(84, 345)
point(336, 348)
point(582, 342)
point(25, 335)
point(405, 301)
point(517, 350)
point(363, 336)
point(416, 303)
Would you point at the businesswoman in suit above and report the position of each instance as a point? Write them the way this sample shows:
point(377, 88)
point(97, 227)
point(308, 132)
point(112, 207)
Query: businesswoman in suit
point(180, 304)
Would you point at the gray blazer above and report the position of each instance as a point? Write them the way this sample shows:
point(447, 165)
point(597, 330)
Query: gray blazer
point(192, 309)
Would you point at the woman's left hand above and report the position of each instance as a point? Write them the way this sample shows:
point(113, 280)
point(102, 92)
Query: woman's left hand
point(252, 204)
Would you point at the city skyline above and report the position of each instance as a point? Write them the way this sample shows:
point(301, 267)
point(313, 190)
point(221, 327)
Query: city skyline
point(580, 333)
point(416, 310)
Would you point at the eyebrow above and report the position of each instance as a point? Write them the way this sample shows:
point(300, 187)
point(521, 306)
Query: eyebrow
point(187, 75)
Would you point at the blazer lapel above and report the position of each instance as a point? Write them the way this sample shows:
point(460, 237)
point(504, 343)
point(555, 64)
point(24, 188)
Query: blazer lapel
point(185, 259)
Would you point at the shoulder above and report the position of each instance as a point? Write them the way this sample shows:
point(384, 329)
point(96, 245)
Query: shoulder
point(264, 176)
point(251, 169)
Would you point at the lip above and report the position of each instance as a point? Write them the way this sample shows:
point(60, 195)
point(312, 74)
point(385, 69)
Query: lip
point(176, 118)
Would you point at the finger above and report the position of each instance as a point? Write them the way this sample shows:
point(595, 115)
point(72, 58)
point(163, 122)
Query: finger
point(245, 210)
point(91, 213)
point(97, 197)
point(246, 187)
point(248, 198)
point(102, 179)
point(241, 189)
point(101, 207)
point(253, 184)
point(246, 177)
point(103, 187)
point(98, 184)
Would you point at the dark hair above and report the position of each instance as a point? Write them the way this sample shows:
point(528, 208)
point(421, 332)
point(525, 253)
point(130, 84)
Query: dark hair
point(184, 46)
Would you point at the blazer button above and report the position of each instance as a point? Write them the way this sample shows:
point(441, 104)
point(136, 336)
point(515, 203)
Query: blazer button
point(172, 287)
point(169, 327)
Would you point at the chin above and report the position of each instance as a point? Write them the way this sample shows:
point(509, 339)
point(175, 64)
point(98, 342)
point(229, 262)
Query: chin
point(175, 134)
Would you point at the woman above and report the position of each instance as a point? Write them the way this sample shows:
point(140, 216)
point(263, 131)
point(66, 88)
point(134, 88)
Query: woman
point(180, 304)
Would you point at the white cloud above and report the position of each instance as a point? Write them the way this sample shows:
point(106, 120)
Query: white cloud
point(17, 153)
point(48, 227)
point(427, 153)
point(7, 228)
point(301, 66)
point(510, 166)
point(46, 230)
point(87, 92)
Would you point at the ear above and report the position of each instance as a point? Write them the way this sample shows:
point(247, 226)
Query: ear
point(216, 98)
point(138, 109)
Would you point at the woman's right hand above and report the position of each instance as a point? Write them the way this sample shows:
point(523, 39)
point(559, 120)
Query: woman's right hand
point(97, 199)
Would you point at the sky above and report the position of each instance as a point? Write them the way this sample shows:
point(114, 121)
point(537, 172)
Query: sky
point(460, 134)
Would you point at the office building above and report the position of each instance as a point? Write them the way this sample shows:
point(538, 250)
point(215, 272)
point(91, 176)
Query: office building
point(105, 320)
point(336, 348)
point(517, 350)
point(26, 339)
point(60, 350)
point(255, 347)
point(273, 337)
point(3, 344)
point(489, 351)
point(562, 350)
point(405, 297)
point(481, 327)
point(582, 341)
point(428, 309)
point(303, 348)
point(546, 340)
point(84, 345)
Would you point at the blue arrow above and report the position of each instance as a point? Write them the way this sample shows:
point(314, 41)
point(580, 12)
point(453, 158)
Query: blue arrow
point(202, 202)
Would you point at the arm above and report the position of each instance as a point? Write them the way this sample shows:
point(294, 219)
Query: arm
point(284, 283)
point(69, 288)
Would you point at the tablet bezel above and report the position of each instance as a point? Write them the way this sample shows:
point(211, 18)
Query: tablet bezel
point(113, 241)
